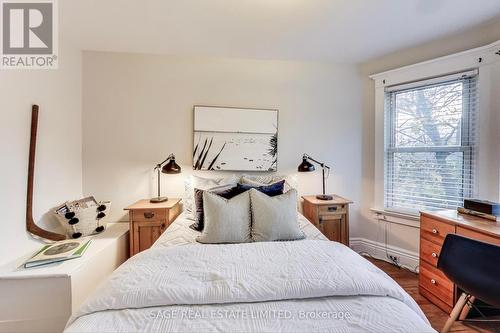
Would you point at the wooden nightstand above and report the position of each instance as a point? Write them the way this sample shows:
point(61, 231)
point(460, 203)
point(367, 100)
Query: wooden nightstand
point(149, 220)
point(331, 217)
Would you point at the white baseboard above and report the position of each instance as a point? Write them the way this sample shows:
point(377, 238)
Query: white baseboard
point(408, 259)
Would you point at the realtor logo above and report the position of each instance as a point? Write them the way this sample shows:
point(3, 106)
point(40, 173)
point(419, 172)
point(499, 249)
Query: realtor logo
point(29, 39)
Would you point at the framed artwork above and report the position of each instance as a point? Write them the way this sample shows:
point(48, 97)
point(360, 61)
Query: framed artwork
point(235, 139)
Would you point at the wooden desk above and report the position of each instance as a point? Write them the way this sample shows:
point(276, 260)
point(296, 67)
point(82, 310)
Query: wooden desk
point(434, 226)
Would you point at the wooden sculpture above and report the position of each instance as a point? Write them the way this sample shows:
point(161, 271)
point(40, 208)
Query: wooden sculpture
point(30, 224)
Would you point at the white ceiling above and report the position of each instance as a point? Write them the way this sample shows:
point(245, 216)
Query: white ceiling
point(326, 30)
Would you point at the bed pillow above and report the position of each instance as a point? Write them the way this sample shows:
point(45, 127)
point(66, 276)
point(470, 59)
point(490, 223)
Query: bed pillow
point(275, 218)
point(290, 180)
point(226, 220)
point(203, 183)
point(227, 192)
point(271, 190)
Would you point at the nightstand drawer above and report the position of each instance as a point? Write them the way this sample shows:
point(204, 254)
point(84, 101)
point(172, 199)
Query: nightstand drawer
point(434, 281)
point(332, 209)
point(429, 251)
point(144, 215)
point(434, 230)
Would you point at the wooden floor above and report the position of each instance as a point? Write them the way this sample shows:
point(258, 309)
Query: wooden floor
point(437, 317)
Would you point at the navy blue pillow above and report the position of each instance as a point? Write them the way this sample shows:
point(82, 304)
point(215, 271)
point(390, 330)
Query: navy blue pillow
point(271, 190)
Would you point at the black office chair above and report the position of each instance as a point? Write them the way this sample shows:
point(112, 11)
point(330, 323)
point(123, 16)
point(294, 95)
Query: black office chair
point(474, 267)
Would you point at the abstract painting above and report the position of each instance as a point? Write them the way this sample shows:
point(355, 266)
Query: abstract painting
point(235, 139)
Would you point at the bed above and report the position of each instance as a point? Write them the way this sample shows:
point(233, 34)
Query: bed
point(310, 285)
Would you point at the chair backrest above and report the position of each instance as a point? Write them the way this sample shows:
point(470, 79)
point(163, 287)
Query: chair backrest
point(473, 266)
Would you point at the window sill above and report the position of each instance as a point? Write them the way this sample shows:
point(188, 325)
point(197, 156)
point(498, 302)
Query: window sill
point(410, 220)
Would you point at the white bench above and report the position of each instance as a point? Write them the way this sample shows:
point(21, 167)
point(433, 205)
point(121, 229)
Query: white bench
point(43, 298)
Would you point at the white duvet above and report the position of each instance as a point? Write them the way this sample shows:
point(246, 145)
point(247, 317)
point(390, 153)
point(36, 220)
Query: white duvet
point(301, 286)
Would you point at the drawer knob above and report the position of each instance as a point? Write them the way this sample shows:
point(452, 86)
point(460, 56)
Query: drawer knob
point(149, 215)
point(434, 231)
point(332, 208)
point(434, 255)
point(163, 225)
point(433, 281)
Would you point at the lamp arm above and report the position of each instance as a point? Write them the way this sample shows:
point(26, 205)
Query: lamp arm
point(323, 165)
point(159, 165)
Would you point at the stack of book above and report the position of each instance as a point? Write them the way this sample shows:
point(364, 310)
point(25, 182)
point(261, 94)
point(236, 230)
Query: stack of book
point(482, 208)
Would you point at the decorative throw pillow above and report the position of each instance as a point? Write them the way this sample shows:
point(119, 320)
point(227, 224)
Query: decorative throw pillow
point(271, 190)
point(203, 183)
point(227, 192)
point(275, 218)
point(226, 221)
point(290, 180)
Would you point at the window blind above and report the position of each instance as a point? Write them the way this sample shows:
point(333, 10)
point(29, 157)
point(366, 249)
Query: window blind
point(430, 143)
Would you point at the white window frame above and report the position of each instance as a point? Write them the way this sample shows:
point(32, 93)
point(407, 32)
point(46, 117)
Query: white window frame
point(488, 155)
point(466, 146)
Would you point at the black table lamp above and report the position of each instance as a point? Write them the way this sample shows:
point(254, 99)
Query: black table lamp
point(169, 168)
point(307, 166)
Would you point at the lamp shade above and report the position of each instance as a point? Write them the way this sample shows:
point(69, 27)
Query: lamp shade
point(171, 167)
point(305, 166)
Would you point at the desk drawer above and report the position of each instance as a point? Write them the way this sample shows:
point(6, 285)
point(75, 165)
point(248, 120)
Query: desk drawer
point(478, 235)
point(429, 251)
point(434, 281)
point(144, 215)
point(434, 230)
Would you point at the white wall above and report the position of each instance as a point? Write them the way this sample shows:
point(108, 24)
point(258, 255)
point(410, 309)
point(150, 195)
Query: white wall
point(138, 108)
point(58, 170)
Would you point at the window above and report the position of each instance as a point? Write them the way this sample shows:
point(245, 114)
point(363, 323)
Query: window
point(430, 143)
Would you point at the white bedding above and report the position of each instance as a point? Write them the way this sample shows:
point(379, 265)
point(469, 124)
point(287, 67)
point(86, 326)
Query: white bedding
point(300, 286)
